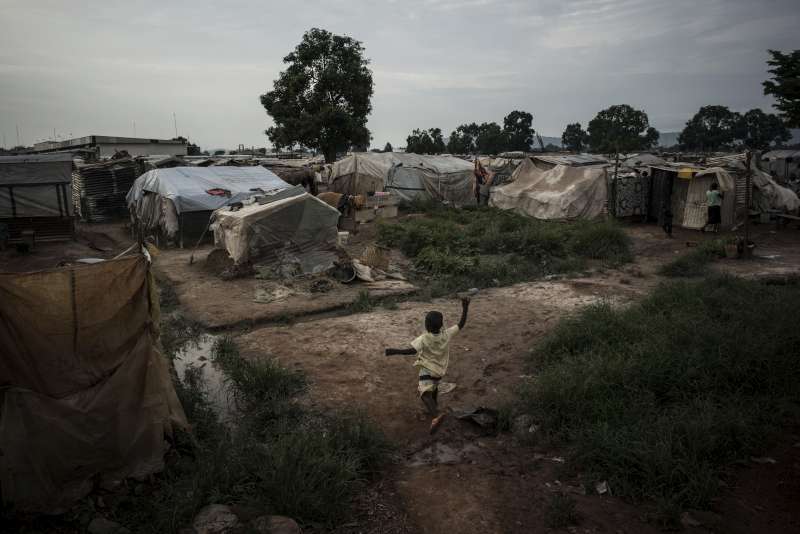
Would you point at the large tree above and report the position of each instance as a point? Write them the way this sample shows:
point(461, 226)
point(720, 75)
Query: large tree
point(322, 99)
point(712, 128)
point(758, 130)
point(463, 140)
point(388, 147)
point(428, 141)
point(621, 129)
point(491, 139)
point(518, 131)
point(785, 85)
point(574, 137)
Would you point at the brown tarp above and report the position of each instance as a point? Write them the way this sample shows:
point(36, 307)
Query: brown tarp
point(85, 394)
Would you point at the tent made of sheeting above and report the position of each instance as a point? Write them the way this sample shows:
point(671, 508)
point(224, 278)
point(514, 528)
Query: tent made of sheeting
point(292, 229)
point(409, 176)
point(35, 195)
point(177, 202)
point(86, 394)
point(562, 192)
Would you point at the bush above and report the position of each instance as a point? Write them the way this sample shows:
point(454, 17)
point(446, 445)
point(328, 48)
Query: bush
point(479, 247)
point(658, 397)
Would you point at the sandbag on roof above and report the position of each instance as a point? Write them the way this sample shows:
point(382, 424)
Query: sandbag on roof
point(188, 187)
point(86, 392)
point(410, 176)
point(561, 193)
point(291, 227)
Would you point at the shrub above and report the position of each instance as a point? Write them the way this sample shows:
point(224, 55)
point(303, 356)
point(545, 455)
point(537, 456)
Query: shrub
point(658, 397)
point(696, 262)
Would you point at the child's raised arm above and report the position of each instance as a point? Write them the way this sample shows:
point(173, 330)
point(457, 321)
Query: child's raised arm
point(401, 352)
point(464, 309)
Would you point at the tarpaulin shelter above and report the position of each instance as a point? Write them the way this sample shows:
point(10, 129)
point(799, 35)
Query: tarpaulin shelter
point(177, 203)
point(85, 393)
point(783, 164)
point(34, 196)
point(290, 228)
point(409, 176)
point(544, 190)
point(767, 194)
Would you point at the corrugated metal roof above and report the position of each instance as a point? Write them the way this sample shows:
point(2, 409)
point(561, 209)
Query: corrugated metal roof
point(33, 169)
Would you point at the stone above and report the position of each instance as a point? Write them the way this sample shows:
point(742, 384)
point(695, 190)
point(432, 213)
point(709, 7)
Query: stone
point(215, 519)
point(275, 524)
point(101, 525)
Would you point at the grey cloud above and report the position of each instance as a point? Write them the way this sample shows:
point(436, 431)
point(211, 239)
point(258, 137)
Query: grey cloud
point(98, 68)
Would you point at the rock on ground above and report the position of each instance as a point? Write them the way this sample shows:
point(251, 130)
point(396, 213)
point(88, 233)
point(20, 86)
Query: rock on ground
point(275, 524)
point(215, 519)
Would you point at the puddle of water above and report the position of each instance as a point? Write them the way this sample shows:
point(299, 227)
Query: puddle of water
point(197, 355)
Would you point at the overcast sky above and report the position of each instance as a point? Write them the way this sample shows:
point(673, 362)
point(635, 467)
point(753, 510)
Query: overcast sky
point(95, 67)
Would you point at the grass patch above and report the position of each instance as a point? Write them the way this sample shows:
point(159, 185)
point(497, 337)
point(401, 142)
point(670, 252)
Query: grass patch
point(560, 511)
point(362, 304)
point(697, 262)
point(278, 458)
point(455, 249)
point(657, 398)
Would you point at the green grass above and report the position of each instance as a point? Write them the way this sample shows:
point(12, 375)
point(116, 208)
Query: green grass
point(279, 457)
point(362, 304)
point(695, 263)
point(659, 397)
point(455, 249)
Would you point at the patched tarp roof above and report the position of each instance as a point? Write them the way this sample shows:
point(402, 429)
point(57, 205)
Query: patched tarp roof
point(33, 169)
point(188, 187)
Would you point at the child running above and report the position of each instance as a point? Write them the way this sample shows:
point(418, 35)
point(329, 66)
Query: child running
point(433, 354)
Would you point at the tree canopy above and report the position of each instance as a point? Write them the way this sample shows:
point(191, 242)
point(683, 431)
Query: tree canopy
point(463, 140)
point(621, 128)
point(428, 141)
point(388, 148)
point(323, 98)
point(712, 128)
point(758, 130)
point(518, 131)
point(785, 85)
point(574, 137)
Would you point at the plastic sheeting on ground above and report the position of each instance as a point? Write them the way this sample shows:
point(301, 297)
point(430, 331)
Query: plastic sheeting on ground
point(410, 176)
point(86, 395)
point(292, 229)
point(561, 193)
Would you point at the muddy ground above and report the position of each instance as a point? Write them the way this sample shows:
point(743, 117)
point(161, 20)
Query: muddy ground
point(460, 480)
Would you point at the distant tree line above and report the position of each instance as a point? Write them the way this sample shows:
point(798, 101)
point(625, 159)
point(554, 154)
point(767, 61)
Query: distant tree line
point(517, 133)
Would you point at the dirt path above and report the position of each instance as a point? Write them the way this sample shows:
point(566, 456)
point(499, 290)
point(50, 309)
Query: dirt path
point(457, 479)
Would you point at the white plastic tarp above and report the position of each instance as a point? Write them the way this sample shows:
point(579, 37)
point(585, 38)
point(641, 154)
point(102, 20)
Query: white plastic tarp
point(445, 178)
point(561, 193)
point(188, 187)
point(293, 227)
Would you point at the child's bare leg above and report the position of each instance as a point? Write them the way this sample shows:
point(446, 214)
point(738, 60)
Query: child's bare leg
point(429, 400)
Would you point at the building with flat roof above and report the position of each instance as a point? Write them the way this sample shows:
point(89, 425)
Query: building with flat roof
point(106, 146)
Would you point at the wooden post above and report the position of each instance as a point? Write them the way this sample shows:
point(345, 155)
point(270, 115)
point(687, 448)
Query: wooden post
point(747, 188)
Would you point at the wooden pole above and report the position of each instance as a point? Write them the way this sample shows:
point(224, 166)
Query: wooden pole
point(747, 189)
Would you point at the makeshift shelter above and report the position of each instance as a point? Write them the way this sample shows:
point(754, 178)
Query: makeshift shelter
point(561, 192)
point(86, 395)
point(99, 189)
point(683, 188)
point(290, 228)
point(410, 176)
point(502, 167)
point(177, 203)
point(782, 164)
point(34, 196)
point(767, 194)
